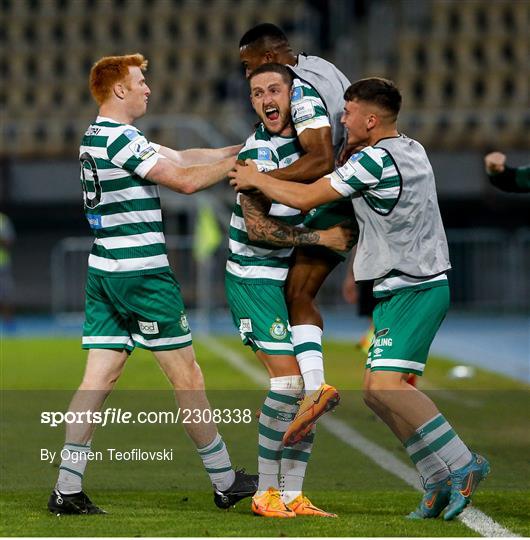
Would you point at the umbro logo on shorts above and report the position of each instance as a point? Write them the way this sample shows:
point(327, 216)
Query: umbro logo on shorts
point(148, 327)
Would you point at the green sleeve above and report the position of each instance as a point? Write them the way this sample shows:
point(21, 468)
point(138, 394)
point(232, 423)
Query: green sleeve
point(512, 180)
point(522, 177)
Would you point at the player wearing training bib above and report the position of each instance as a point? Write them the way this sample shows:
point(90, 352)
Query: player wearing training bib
point(402, 246)
point(257, 266)
point(316, 107)
point(132, 297)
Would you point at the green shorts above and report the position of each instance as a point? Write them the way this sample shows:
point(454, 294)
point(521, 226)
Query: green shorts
point(405, 325)
point(143, 311)
point(260, 314)
point(329, 215)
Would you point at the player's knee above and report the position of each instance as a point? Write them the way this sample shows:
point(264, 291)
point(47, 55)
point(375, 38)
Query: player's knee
point(369, 399)
point(99, 382)
point(188, 377)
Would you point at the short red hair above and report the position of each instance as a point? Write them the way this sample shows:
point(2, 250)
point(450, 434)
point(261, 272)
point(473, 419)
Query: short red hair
point(109, 70)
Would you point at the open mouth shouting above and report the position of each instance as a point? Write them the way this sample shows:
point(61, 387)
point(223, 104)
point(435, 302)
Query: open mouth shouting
point(272, 113)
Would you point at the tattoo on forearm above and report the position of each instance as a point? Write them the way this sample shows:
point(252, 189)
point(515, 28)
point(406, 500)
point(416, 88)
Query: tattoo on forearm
point(263, 228)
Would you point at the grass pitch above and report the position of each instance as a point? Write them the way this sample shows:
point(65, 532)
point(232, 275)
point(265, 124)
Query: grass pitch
point(174, 498)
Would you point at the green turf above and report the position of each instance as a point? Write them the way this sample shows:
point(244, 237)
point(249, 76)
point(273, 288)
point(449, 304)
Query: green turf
point(174, 499)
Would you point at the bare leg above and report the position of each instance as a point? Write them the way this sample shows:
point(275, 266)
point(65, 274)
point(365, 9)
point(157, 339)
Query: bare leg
point(103, 368)
point(401, 429)
point(305, 278)
point(390, 390)
point(187, 380)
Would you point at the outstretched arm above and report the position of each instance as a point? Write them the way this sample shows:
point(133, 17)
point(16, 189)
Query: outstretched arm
point(199, 156)
point(263, 228)
point(189, 180)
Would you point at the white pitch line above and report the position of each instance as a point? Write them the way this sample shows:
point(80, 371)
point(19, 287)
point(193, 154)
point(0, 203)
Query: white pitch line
point(471, 517)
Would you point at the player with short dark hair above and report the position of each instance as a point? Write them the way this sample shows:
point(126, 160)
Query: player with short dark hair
point(132, 297)
point(402, 246)
point(316, 105)
point(262, 235)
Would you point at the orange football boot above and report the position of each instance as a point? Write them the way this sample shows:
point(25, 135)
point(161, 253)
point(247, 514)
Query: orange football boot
point(302, 506)
point(270, 504)
point(313, 406)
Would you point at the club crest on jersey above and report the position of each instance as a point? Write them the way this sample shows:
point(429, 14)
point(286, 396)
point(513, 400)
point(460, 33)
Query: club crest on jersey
point(278, 330)
point(264, 154)
point(298, 94)
point(184, 324)
point(148, 327)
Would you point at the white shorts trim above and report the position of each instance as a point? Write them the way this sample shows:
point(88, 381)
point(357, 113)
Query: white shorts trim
point(160, 342)
point(392, 362)
point(274, 346)
point(107, 340)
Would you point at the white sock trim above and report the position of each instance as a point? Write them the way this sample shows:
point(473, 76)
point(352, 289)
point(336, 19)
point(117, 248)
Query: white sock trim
point(289, 382)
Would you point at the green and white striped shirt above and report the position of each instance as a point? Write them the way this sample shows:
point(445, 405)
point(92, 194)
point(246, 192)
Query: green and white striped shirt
point(371, 174)
point(307, 107)
point(261, 262)
point(121, 206)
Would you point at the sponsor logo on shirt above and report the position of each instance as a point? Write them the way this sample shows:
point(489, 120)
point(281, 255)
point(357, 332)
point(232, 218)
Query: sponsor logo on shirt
point(355, 157)
point(245, 326)
point(346, 171)
point(302, 111)
point(148, 327)
point(141, 149)
point(264, 154)
point(131, 134)
point(94, 220)
point(298, 94)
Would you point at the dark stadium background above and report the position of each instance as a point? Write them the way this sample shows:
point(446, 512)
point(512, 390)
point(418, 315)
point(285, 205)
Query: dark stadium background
point(462, 67)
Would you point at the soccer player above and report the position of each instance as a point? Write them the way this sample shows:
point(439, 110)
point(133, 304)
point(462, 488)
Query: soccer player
point(257, 266)
point(316, 107)
point(402, 246)
point(132, 298)
point(509, 179)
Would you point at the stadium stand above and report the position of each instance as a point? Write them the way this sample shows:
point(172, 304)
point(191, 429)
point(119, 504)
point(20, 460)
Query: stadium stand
point(462, 66)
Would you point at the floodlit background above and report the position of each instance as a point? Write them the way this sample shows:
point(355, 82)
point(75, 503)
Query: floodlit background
point(462, 66)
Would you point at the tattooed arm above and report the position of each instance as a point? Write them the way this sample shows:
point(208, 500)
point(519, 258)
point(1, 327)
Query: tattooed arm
point(263, 228)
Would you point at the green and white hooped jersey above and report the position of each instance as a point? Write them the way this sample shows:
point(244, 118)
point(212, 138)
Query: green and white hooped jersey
point(258, 261)
point(121, 206)
point(308, 110)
